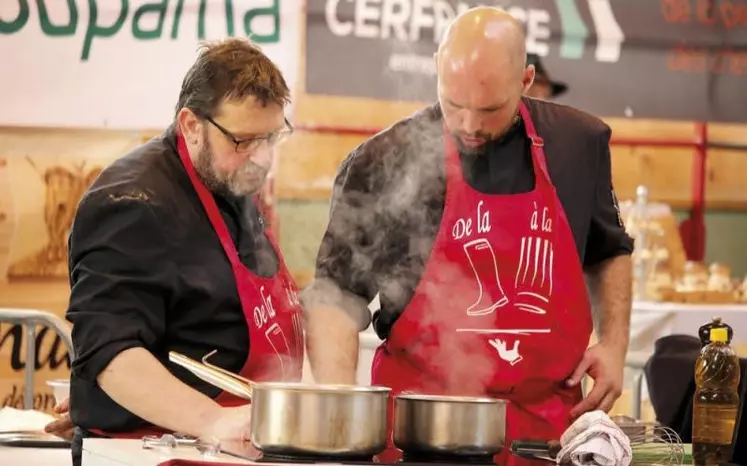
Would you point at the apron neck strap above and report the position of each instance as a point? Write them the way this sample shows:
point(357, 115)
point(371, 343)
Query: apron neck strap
point(208, 202)
point(538, 144)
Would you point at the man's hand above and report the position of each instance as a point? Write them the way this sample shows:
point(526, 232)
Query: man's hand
point(605, 364)
point(62, 427)
point(232, 424)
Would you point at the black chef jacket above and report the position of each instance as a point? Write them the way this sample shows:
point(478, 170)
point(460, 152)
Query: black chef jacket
point(388, 200)
point(147, 270)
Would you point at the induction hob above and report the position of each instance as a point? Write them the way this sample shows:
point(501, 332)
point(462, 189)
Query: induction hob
point(246, 451)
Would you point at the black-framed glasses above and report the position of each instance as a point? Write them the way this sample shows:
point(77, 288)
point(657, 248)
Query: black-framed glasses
point(244, 146)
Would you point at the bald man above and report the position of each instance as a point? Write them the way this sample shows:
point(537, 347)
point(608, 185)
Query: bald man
point(474, 221)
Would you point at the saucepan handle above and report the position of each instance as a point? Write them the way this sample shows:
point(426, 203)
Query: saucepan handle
point(536, 449)
point(214, 377)
point(223, 371)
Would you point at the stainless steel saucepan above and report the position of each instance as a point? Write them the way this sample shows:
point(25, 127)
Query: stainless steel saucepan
point(305, 419)
point(449, 425)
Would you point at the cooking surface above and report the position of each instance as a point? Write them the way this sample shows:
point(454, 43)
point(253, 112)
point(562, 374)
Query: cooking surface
point(246, 451)
point(130, 453)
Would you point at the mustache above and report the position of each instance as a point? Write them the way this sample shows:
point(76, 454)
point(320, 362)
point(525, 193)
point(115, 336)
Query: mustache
point(251, 168)
point(477, 135)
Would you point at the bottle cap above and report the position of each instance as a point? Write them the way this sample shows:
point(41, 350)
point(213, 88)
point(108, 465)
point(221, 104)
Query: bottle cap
point(719, 334)
point(704, 332)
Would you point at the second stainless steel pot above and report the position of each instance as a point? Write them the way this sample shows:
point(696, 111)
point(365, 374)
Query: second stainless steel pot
point(305, 419)
point(449, 425)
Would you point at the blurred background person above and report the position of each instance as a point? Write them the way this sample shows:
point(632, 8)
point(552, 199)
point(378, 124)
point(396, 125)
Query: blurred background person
point(543, 87)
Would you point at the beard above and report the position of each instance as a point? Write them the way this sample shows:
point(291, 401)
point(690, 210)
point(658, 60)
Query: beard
point(246, 181)
point(488, 138)
point(471, 150)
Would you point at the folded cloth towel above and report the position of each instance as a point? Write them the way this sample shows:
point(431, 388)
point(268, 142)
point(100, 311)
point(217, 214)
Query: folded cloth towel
point(19, 420)
point(595, 440)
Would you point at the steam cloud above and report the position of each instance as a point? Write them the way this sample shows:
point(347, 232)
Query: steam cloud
point(398, 207)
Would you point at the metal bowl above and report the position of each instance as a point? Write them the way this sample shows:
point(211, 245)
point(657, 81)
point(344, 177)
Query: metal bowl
point(449, 425)
point(290, 418)
point(337, 420)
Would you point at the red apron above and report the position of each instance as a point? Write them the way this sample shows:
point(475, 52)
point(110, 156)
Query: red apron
point(271, 308)
point(502, 308)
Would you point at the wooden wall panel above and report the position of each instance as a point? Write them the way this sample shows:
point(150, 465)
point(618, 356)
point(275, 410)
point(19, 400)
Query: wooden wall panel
point(726, 180)
point(308, 163)
point(667, 172)
point(734, 134)
point(651, 129)
point(626, 166)
point(43, 173)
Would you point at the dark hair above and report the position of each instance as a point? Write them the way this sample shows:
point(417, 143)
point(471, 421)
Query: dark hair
point(231, 69)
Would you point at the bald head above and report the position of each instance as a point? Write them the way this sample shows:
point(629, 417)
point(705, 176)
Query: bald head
point(482, 36)
point(481, 64)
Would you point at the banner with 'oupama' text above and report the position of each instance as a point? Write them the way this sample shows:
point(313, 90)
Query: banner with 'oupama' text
point(120, 63)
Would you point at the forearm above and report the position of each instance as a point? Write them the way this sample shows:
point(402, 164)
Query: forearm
point(332, 345)
point(137, 381)
point(610, 288)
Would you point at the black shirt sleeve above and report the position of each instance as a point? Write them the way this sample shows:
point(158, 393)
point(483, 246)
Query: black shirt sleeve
point(607, 236)
point(344, 256)
point(121, 278)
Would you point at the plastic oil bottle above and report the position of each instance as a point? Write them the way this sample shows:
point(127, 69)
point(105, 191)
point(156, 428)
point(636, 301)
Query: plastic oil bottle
point(716, 398)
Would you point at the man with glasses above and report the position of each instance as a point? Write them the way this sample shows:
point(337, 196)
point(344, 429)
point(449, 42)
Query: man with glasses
point(169, 252)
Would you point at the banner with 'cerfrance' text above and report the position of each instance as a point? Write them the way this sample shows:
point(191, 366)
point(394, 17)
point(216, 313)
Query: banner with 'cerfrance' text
point(673, 59)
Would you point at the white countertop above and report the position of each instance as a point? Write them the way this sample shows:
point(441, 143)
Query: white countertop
point(650, 306)
point(106, 452)
point(35, 456)
point(121, 452)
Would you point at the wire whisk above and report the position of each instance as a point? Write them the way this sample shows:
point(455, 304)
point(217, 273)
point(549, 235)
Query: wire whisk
point(655, 444)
